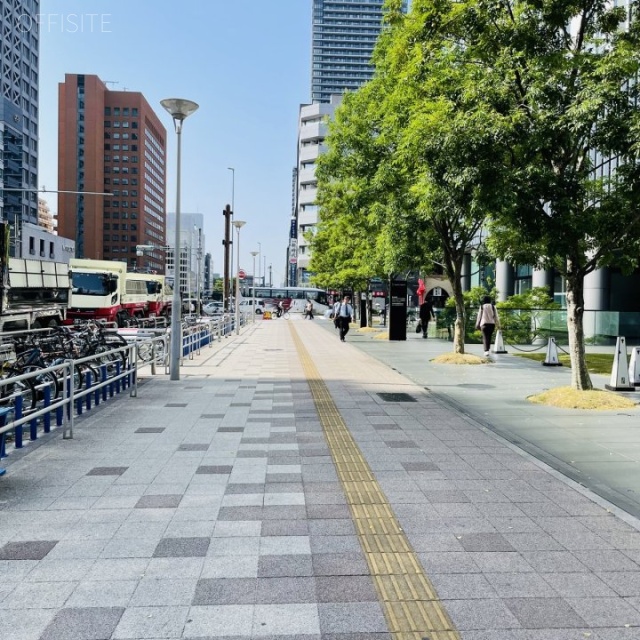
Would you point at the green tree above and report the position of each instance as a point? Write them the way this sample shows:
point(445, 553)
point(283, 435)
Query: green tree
point(561, 99)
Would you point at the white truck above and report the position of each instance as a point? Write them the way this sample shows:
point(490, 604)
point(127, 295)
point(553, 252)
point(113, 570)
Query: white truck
point(102, 291)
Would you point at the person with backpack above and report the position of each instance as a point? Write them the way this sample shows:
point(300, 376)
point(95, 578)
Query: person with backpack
point(487, 321)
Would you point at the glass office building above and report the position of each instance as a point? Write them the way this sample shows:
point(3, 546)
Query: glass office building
point(344, 35)
point(19, 44)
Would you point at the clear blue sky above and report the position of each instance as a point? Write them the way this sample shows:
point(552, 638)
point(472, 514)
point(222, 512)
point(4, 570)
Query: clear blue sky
point(245, 62)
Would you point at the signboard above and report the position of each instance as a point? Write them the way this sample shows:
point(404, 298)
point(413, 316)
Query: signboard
point(293, 260)
point(241, 274)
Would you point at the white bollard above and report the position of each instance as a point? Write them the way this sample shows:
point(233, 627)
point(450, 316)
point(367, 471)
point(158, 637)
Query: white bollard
point(634, 367)
point(552, 359)
point(498, 345)
point(619, 372)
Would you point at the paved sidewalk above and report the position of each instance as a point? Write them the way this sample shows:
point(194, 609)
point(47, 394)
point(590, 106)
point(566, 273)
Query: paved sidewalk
point(599, 449)
point(211, 508)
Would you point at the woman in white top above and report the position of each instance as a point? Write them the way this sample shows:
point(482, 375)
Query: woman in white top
point(487, 321)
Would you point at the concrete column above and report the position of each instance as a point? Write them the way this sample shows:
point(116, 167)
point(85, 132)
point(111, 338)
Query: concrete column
point(596, 290)
point(504, 280)
point(543, 278)
point(466, 272)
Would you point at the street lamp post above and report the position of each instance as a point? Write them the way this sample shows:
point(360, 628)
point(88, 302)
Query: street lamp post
point(233, 211)
point(259, 261)
point(238, 224)
point(179, 109)
point(253, 279)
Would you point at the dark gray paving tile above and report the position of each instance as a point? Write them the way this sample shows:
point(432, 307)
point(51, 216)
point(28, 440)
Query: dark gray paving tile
point(484, 542)
point(159, 501)
point(244, 488)
point(91, 623)
point(212, 415)
point(230, 429)
point(335, 544)
point(193, 447)
point(225, 591)
point(351, 617)
point(107, 471)
point(284, 477)
point(339, 564)
point(278, 528)
point(252, 454)
point(214, 469)
point(284, 487)
point(544, 613)
point(284, 513)
point(332, 527)
point(357, 636)
point(240, 513)
point(182, 548)
point(401, 444)
point(285, 590)
point(458, 586)
point(328, 511)
point(27, 550)
point(288, 566)
point(149, 430)
point(420, 466)
point(345, 589)
point(176, 404)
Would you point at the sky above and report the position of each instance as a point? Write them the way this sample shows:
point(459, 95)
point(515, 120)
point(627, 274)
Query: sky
point(245, 62)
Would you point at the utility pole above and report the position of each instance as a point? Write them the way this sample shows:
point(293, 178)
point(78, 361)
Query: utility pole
point(226, 243)
point(270, 276)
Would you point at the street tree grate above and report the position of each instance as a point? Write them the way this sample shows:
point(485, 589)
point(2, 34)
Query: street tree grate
point(396, 397)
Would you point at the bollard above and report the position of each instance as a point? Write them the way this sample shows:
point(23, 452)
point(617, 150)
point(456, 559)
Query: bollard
point(46, 419)
point(619, 371)
point(3, 453)
point(552, 359)
point(88, 385)
point(18, 415)
point(634, 367)
point(103, 379)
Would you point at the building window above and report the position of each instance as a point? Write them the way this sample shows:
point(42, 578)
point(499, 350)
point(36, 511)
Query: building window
point(116, 111)
point(107, 111)
point(32, 245)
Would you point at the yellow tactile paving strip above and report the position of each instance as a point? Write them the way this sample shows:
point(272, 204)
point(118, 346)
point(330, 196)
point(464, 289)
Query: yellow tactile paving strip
point(410, 603)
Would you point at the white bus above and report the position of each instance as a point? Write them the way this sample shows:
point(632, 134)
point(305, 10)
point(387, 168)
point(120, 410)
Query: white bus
point(293, 298)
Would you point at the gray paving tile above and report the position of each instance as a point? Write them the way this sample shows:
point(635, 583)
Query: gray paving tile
point(182, 548)
point(239, 488)
point(339, 564)
point(332, 527)
point(103, 593)
point(285, 620)
point(289, 589)
point(38, 595)
point(225, 591)
point(214, 469)
point(107, 471)
point(520, 585)
point(150, 430)
point(485, 542)
point(345, 589)
point(92, 623)
point(291, 528)
point(289, 566)
point(29, 625)
point(230, 567)
point(151, 622)
point(605, 612)
point(607, 560)
point(335, 544)
point(27, 550)
point(544, 613)
point(217, 621)
point(351, 617)
point(158, 501)
point(481, 614)
point(624, 583)
point(462, 586)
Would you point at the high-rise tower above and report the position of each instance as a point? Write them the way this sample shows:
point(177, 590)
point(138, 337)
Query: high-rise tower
point(19, 42)
point(111, 142)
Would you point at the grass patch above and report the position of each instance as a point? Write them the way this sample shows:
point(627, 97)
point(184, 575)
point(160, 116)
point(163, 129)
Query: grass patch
point(596, 362)
point(368, 329)
point(382, 336)
point(459, 358)
point(569, 398)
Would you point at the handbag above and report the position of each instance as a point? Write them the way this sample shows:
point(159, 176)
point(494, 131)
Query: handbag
point(419, 327)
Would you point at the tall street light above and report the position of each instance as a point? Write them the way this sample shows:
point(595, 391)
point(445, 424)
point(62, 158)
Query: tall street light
point(179, 109)
point(238, 224)
point(233, 210)
point(253, 279)
point(259, 261)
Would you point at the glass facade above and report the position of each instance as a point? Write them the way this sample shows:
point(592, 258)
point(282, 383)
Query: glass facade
point(19, 111)
point(344, 35)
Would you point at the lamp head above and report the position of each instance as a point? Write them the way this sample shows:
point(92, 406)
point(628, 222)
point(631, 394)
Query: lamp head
point(238, 223)
point(179, 108)
point(254, 253)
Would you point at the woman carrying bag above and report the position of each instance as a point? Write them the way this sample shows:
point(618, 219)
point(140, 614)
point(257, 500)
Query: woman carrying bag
point(487, 321)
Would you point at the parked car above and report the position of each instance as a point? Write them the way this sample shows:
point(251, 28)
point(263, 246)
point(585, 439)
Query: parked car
point(212, 308)
point(247, 305)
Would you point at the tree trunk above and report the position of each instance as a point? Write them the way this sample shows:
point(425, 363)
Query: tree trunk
point(459, 327)
point(580, 378)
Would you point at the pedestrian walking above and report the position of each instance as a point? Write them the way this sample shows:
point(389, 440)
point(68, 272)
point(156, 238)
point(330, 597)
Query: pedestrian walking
point(426, 314)
point(344, 313)
point(487, 321)
point(308, 310)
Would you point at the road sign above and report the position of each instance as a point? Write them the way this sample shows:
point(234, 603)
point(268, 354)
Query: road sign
point(241, 274)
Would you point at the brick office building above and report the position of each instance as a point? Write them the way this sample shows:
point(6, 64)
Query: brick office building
point(111, 142)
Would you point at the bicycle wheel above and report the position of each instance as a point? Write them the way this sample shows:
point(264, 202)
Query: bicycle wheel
point(42, 380)
point(24, 388)
point(145, 351)
point(285, 315)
